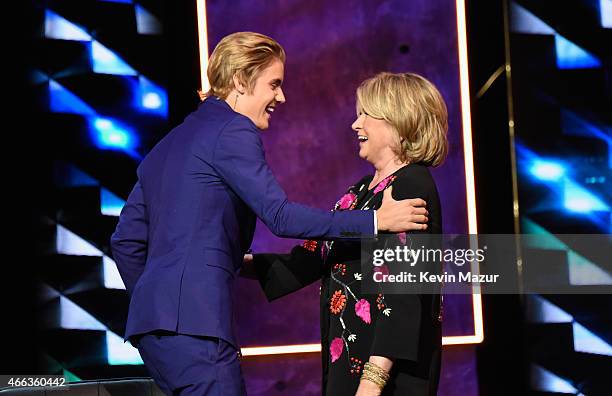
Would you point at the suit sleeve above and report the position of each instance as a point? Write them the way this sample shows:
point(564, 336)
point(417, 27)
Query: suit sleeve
point(129, 241)
point(281, 274)
point(240, 160)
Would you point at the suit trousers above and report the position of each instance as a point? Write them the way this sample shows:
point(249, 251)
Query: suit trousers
point(184, 365)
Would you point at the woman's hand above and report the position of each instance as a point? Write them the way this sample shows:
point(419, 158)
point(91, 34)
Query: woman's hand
point(248, 268)
point(368, 388)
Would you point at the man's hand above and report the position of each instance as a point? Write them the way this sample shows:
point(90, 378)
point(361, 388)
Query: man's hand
point(401, 216)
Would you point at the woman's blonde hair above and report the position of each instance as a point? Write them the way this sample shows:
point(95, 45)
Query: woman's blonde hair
point(243, 54)
point(415, 110)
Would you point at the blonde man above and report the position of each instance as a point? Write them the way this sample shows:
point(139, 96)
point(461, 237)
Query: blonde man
point(191, 217)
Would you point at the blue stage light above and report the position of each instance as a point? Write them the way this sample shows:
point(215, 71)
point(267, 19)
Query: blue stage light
point(546, 381)
point(106, 61)
point(578, 199)
point(146, 23)
point(571, 56)
point(109, 134)
point(523, 21)
point(605, 9)
point(110, 204)
point(152, 97)
point(586, 341)
point(547, 170)
point(57, 27)
point(62, 100)
point(120, 352)
point(151, 100)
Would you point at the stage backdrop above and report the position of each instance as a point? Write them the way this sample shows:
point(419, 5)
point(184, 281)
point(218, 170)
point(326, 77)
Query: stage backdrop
point(111, 82)
point(331, 48)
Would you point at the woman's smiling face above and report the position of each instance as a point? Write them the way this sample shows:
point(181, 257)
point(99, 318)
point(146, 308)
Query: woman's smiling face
point(377, 139)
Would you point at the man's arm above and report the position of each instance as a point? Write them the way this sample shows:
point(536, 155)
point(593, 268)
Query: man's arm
point(129, 241)
point(239, 158)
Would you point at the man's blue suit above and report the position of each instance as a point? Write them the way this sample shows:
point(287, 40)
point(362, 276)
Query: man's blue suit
point(190, 219)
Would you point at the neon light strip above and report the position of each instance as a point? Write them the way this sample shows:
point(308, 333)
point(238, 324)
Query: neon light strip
point(468, 156)
point(280, 350)
point(310, 348)
point(478, 335)
point(203, 43)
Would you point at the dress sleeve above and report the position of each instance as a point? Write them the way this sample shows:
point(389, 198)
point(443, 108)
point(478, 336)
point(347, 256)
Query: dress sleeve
point(281, 274)
point(397, 335)
point(410, 320)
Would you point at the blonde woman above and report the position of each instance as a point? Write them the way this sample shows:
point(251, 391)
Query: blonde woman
point(376, 344)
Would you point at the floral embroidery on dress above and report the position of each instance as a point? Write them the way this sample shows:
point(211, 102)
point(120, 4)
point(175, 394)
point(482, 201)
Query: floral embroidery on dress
point(340, 268)
point(380, 302)
point(335, 348)
point(356, 366)
point(339, 299)
point(383, 184)
point(310, 245)
point(362, 309)
point(347, 201)
point(337, 302)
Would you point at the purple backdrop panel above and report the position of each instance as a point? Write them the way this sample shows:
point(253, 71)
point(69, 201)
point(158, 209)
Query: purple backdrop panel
point(264, 378)
point(283, 375)
point(459, 376)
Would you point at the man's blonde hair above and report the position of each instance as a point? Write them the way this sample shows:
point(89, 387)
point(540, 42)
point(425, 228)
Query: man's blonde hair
point(244, 54)
point(414, 108)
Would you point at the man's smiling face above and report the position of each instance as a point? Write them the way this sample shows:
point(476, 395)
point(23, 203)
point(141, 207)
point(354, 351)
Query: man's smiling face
point(267, 93)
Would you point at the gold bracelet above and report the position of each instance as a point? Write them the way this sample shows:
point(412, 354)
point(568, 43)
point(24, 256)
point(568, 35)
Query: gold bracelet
point(371, 367)
point(375, 374)
point(376, 380)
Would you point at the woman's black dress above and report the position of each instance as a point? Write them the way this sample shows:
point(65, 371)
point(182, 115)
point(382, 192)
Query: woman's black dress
point(355, 325)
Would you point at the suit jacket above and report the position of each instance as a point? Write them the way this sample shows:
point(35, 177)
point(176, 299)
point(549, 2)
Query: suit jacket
point(191, 217)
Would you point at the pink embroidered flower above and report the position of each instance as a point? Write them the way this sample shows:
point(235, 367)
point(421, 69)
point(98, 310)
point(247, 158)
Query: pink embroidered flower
point(362, 309)
point(383, 184)
point(335, 349)
point(346, 201)
point(402, 237)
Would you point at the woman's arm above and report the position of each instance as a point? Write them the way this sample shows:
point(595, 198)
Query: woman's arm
point(369, 388)
point(281, 274)
point(399, 334)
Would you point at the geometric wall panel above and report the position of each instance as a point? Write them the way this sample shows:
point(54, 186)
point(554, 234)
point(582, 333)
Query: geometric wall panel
point(70, 243)
point(587, 342)
point(545, 381)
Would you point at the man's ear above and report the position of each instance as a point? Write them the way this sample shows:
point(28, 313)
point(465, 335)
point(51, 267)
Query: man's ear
point(238, 85)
